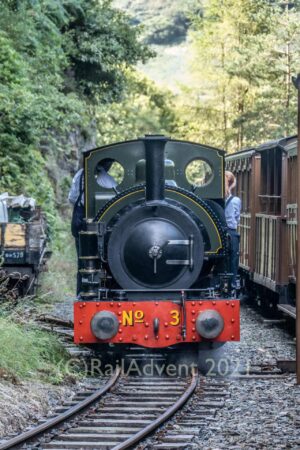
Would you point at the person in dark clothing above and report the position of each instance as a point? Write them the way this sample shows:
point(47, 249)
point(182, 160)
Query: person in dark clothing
point(76, 198)
point(232, 214)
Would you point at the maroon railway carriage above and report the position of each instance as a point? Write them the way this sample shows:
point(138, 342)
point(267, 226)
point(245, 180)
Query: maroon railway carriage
point(266, 184)
point(291, 226)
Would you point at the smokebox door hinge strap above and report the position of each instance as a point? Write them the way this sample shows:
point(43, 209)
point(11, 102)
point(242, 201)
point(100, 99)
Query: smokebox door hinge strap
point(183, 262)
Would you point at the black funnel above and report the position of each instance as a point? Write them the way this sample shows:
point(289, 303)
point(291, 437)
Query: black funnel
point(155, 167)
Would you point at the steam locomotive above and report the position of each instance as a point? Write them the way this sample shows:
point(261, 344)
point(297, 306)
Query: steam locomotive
point(153, 251)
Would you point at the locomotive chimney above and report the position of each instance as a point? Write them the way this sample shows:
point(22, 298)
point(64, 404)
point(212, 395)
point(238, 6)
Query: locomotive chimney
point(155, 167)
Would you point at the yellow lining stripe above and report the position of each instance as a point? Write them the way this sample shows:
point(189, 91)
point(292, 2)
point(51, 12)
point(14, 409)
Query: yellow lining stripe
point(183, 195)
point(117, 201)
point(201, 207)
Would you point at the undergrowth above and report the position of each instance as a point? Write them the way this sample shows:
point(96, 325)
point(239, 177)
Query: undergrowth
point(59, 282)
point(29, 353)
point(26, 352)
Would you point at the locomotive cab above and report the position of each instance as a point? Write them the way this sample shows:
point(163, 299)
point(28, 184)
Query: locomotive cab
point(153, 254)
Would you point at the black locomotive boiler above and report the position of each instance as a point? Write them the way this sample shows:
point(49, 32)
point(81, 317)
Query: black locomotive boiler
point(153, 251)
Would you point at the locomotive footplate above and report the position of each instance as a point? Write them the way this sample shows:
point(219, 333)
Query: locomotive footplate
point(157, 323)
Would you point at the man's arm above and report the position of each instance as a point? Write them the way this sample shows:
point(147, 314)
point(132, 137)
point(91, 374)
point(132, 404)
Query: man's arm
point(237, 206)
point(75, 188)
point(105, 180)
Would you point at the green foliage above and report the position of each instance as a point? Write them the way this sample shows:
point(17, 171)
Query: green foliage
point(36, 354)
point(26, 352)
point(101, 45)
point(117, 172)
point(245, 53)
point(145, 109)
point(59, 282)
point(58, 60)
point(198, 172)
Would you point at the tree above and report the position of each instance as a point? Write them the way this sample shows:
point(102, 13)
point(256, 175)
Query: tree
point(59, 59)
point(245, 52)
point(145, 109)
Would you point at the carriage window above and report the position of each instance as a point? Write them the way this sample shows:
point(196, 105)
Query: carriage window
point(198, 172)
point(109, 173)
point(270, 195)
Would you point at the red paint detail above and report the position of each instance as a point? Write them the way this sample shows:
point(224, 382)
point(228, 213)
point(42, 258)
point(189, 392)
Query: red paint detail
point(193, 303)
point(97, 304)
point(163, 313)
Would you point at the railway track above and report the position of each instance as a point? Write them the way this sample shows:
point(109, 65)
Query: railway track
point(117, 416)
point(64, 330)
point(193, 419)
point(125, 410)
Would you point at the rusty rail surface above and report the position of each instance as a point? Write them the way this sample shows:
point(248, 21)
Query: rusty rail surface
point(61, 418)
point(162, 418)
point(130, 439)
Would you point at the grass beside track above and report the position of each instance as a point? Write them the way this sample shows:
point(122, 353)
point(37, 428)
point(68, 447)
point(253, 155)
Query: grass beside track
point(59, 282)
point(29, 353)
point(25, 351)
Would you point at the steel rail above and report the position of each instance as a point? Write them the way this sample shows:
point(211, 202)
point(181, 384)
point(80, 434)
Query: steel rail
point(60, 418)
point(136, 438)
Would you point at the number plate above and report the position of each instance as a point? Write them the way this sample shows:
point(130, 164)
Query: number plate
point(130, 318)
point(14, 255)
